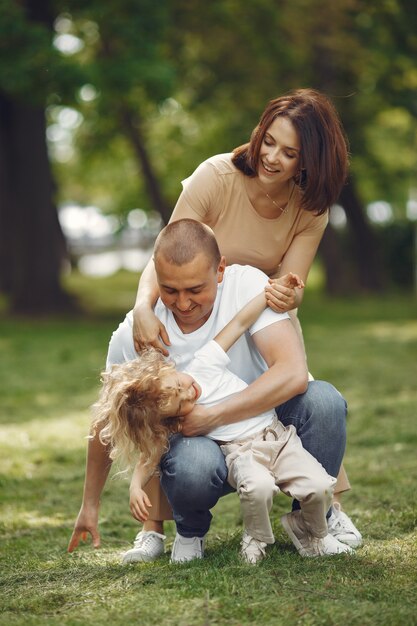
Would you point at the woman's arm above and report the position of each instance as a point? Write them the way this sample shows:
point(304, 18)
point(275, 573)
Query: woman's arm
point(298, 259)
point(148, 330)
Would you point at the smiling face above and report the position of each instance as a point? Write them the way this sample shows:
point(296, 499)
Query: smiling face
point(189, 290)
point(279, 155)
point(185, 393)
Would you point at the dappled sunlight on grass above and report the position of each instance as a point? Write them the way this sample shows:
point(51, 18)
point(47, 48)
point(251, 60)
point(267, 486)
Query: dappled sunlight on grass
point(69, 429)
point(32, 519)
point(391, 331)
point(50, 371)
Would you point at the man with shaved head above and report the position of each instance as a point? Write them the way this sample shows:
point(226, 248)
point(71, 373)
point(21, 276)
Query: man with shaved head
point(198, 296)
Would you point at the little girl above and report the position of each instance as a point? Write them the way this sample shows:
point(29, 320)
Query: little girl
point(142, 402)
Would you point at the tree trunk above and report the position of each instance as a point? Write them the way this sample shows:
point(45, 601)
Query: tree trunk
point(352, 261)
point(338, 273)
point(131, 126)
point(367, 255)
point(32, 246)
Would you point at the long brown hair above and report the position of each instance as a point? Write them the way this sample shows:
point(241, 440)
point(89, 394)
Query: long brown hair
point(324, 147)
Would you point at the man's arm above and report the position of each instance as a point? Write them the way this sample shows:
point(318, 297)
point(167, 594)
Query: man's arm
point(285, 378)
point(250, 313)
point(97, 469)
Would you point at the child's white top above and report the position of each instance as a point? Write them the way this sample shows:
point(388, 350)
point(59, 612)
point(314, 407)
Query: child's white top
point(209, 369)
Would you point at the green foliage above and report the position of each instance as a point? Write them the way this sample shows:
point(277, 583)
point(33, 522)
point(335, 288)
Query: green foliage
point(366, 347)
point(220, 62)
point(31, 69)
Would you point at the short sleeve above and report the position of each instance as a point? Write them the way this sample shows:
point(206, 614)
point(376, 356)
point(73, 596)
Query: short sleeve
point(121, 346)
point(312, 225)
point(213, 354)
point(201, 195)
point(252, 282)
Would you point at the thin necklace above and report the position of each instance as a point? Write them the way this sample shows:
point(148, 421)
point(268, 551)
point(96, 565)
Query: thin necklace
point(282, 209)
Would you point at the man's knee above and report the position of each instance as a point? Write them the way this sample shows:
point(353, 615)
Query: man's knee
point(192, 467)
point(326, 404)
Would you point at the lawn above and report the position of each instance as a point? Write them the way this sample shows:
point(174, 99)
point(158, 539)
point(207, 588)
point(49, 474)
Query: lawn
point(49, 371)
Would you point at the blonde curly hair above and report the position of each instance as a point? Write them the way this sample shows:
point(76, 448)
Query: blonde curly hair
point(131, 400)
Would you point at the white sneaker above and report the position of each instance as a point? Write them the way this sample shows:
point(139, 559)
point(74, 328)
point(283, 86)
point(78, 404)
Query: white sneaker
point(148, 546)
point(187, 548)
point(252, 550)
point(306, 544)
point(341, 526)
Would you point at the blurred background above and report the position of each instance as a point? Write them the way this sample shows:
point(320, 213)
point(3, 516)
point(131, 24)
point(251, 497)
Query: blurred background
point(106, 106)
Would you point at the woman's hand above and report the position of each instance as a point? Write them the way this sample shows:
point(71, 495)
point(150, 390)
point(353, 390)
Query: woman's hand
point(148, 330)
point(281, 293)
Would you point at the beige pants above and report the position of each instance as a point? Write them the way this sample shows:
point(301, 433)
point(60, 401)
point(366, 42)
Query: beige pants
point(274, 460)
point(161, 510)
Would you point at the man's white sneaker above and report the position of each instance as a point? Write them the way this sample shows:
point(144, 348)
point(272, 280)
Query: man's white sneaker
point(187, 548)
point(342, 528)
point(306, 544)
point(148, 546)
point(252, 550)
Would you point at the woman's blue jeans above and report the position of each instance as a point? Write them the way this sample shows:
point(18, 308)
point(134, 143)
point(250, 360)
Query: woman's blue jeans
point(194, 473)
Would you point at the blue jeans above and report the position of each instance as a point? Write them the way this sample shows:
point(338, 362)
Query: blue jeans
point(194, 473)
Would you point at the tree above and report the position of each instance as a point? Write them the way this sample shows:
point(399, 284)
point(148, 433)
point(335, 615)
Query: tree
point(177, 81)
point(32, 246)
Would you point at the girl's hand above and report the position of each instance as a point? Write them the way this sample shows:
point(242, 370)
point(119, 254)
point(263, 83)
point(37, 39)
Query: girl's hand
point(281, 293)
point(86, 523)
point(139, 505)
point(148, 330)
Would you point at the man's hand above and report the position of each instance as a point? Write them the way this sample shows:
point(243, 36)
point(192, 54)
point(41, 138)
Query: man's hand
point(86, 522)
point(199, 421)
point(139, 504)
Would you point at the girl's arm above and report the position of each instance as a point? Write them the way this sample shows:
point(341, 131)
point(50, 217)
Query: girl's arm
point(139, 502)
point(249, 314)
point(241, 322)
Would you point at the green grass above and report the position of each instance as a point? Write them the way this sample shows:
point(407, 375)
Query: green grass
point(49, 377)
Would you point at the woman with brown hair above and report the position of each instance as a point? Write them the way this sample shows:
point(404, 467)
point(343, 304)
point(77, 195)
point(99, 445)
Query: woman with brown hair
point(268, 204)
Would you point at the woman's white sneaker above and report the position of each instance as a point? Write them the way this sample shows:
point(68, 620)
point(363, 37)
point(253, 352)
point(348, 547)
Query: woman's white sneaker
point(342, 528)
point(148, 546)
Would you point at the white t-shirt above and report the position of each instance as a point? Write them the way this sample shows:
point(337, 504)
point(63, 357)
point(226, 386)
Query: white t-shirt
point(240, 284)
point(209, 369)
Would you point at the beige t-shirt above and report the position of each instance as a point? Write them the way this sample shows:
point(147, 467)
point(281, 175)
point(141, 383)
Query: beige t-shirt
point(216, 194)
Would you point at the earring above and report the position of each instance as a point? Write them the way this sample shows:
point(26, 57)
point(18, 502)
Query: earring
point(300, 178)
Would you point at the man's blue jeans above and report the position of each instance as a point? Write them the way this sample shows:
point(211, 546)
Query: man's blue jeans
point(194, 473)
